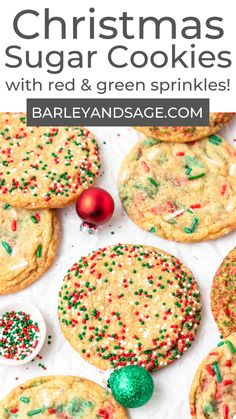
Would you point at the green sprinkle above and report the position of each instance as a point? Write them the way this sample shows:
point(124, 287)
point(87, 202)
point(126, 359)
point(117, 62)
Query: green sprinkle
point(192, 229)
point(188, 170)
point(153, 230)
point(230, 346)
point(208, 408)
point(39, 251)
point(196, 176)
point(214, 139)
point(193, 162)
point(34, 219)
point(216, 370)
point(36, 412)
point(6, 206)
point(25, 400)
point(187, 230)
point(148, 142)
point(153, 182)
point(7, 247)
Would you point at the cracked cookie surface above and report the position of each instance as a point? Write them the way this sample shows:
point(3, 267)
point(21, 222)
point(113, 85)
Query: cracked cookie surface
point(181, 192)
point(223, 295)
point(28, 245)
point(186, 134)
point(44, 167)
point(212, 394)
point(129, 304)
point(61, 397)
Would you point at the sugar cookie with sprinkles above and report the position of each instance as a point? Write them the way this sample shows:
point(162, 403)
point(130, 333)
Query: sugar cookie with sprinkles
point(186, 134)
point(44, 167)
point(223, 295)
point(28, 245)
point(62, 397)
point(129, 305)
point(181, 192)
point(213, 391)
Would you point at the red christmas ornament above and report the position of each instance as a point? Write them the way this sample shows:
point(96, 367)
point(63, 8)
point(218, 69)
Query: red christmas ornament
point(95, 207)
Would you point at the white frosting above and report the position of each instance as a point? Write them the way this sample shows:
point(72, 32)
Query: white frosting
point(152, 153)
point(174, 214)
point(232, 168)
point(215, 162)
point(229, 207)
point(20, 265)
point(125, 175)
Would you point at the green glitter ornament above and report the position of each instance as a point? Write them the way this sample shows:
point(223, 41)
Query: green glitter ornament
point(131, 386)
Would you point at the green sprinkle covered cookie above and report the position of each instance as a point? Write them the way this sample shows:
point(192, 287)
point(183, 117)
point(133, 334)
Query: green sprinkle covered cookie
point(129, 305)
point(213, 391)
point(43, 167)
point(181, 192)
point(186, 134)
point(223, 295)
point(61, 397)
point(28, 245)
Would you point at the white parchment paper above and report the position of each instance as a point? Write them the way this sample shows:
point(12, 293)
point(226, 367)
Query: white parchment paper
point(170, 400)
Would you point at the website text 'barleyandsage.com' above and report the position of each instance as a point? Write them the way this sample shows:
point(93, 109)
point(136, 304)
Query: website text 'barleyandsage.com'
point(109, 112)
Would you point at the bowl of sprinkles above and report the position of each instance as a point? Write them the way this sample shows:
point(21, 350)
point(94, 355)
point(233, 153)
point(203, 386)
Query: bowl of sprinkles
point(22, 333)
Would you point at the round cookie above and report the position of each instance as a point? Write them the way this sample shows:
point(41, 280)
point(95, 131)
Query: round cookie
point(28, 245)
point(186, 134)
point(223, 295)
point(62, 397)
point(181, 192)
point(44, 167)
point(129, 304)
point(213, 391)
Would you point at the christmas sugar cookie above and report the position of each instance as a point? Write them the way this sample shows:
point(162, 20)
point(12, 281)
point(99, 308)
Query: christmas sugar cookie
point(223, 295)
point(213, 391)
point(181, 192)
point(60, 397)
point(43, 167)
point(185, 134)
point(28, 245)
point(129, 304)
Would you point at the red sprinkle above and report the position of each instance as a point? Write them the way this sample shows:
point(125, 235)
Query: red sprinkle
point(195, 206)
point(103, 414)
point(209, 370)
point(180, 153)
point(13, 225)
point(226, 411)
point(37, 216)
point(227, 382)
point(51, 411)
point(223, 189)
point(14, 410)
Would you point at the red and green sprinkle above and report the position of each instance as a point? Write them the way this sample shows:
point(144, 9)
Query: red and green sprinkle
point(19, 335)
point(151, 278)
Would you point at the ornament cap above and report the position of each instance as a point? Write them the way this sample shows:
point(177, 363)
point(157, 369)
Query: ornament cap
point(88, 228)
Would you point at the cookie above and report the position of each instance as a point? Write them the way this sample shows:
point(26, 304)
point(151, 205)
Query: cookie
point(223, 295)
point(43, 167)
point(213, 391)
point(129, 305)
point(28, 245)
point(186, 134)
point(181, 192)
point(61, 397)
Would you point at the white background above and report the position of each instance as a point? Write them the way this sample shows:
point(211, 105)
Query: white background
point(101, 70)
point(172, 383)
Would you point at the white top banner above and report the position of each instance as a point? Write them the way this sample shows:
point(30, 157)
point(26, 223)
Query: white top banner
point(86, 49)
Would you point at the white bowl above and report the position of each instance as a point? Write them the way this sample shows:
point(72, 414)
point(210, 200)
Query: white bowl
point(36, 316)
